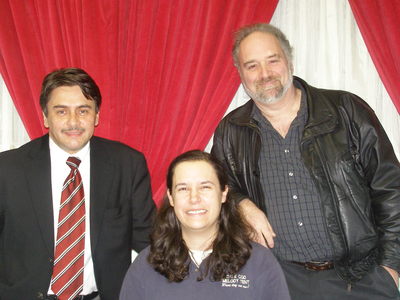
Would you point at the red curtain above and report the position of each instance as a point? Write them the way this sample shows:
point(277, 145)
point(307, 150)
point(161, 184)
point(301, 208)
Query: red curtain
point(379, 23)
point(164, 66)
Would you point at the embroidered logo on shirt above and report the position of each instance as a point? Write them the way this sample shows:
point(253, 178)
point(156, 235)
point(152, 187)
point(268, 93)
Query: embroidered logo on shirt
point(236, 281)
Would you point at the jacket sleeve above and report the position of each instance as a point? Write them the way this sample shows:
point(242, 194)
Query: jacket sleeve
point(224, 155)
point(381, 169)
point(143, 208)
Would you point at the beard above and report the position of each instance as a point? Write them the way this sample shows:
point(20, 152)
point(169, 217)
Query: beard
point(264, 96)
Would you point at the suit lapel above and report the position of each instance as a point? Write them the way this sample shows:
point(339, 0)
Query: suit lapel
point(38, 176)
point(101, 174)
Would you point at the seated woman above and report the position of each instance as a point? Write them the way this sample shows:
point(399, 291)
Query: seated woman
point(200, 246)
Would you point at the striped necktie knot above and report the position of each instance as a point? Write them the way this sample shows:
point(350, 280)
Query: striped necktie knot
point(73, 162)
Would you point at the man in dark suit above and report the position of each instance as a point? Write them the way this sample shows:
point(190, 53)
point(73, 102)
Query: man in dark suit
point(115, 199)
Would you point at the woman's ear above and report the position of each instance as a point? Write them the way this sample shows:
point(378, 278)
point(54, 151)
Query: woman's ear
point(171, 200)
point(224, 194)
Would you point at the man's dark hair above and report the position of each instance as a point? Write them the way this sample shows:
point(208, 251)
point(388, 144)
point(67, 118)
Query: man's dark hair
point(69, 77)
point(169, 254)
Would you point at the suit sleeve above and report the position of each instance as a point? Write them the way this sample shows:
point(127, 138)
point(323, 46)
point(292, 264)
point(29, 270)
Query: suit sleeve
point(143, 208)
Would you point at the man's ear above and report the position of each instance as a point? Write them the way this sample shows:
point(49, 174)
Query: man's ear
point(45, 122)
point(96, 121)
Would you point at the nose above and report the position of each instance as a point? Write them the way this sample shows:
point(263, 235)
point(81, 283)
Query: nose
point(265, 71)
point(194, 195)
point(72, 119)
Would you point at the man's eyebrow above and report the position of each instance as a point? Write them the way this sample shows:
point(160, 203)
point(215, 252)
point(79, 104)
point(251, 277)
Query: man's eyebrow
point(249, 62)
point(275, 55)
point(65, 106)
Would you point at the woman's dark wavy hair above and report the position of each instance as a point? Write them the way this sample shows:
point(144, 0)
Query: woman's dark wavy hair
point(169, 255)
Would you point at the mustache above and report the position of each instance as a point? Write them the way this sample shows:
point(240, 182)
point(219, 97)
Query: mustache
point(267, 80)
point(73, 129)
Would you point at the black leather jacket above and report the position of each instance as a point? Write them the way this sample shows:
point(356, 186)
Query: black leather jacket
point(352, 164)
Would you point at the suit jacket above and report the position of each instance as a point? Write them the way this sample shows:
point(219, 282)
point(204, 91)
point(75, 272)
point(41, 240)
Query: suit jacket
point(121, 210)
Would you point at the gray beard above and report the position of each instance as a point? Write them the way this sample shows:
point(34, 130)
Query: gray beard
point(260, 97)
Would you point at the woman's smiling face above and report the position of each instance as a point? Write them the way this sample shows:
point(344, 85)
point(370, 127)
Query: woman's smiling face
point(196, 197)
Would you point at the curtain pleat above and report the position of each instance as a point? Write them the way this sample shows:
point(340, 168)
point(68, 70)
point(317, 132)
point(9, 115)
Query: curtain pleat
point(379, 23)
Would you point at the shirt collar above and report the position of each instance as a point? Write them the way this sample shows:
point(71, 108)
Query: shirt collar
point(61, 155)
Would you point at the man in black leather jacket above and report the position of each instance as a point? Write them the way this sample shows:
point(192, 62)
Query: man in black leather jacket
point(320, 166)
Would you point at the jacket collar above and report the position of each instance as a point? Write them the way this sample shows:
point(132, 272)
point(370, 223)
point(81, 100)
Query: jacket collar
point(242, 115)
point(322, 115)
point(38, 178)
point(102, 172)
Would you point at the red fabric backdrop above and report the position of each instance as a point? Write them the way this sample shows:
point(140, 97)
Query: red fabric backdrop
point(164, 67)
point(379, 23)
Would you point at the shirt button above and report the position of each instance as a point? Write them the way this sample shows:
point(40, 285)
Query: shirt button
point(295, 197)
point(286, 150)
point(290, 174)
point(300, 223)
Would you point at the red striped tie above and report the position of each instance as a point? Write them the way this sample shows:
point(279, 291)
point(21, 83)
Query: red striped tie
point(67, 279)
